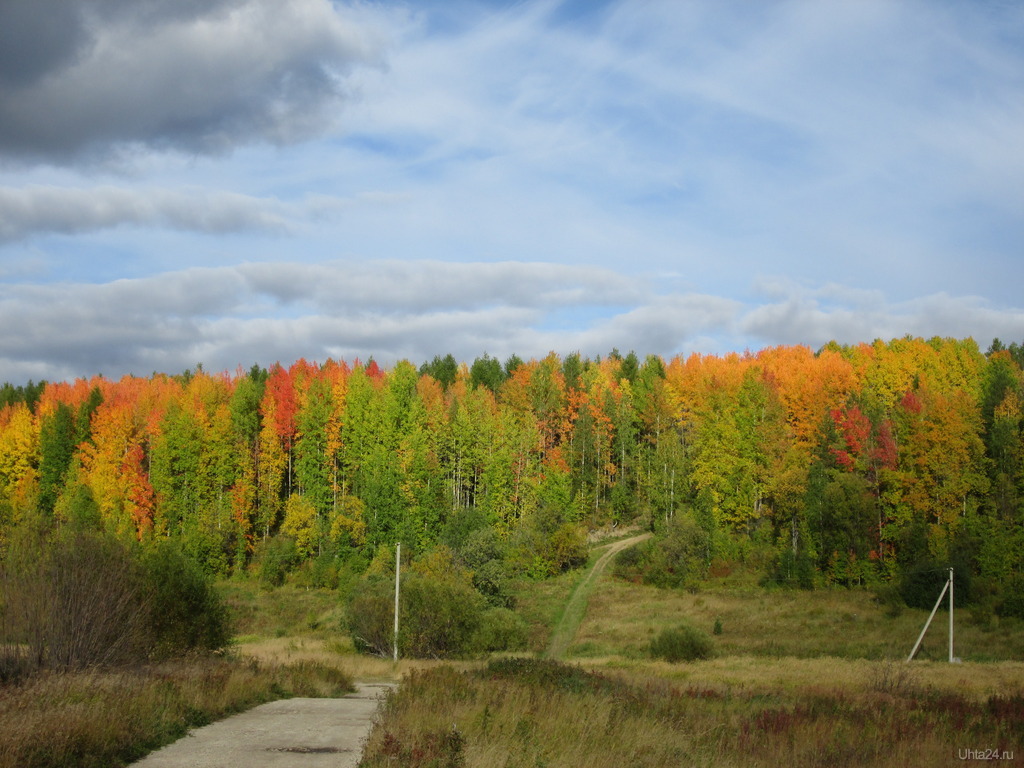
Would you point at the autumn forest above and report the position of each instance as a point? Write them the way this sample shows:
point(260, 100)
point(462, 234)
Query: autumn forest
point(845, 466)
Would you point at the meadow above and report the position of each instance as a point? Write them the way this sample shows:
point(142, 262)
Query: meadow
point(802, 678)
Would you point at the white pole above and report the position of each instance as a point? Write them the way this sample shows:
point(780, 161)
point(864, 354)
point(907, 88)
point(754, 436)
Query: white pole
point(398, 568)
point(950, 615)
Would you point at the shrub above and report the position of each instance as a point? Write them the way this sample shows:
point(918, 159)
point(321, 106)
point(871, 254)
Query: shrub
point(438, 617)
point(792, 570)
point(500, 630)
point(274, 559)
point(921, 584)
point(186, 613)
point(1012, 603)
point(683, 643)
point(678, 558)
point(76, 598)
point(73, 600)
point(370, 616)
point(888, 595)
point(492, 581)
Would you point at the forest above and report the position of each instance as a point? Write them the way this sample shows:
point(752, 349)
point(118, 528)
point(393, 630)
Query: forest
point(849, 465)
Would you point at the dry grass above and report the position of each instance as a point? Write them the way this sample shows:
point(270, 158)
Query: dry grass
point(336, 653)
point(110, 718)
point(538, 713)
point(799, 679)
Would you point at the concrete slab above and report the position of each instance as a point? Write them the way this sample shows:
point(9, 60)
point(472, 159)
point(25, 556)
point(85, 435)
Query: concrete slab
point(290, 733)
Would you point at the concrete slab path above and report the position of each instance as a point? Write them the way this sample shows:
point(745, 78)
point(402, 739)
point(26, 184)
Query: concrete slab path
point(289, 733)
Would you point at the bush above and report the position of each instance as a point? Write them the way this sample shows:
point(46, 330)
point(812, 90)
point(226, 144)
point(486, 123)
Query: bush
point(492, 581)
point(684, 643)
point(500, 630)
point(370, 616)
point(792, 570)
point(677, 558)
point(1012, 603)
point(78, 598)
point(72, 600)
point(922, 583)
point(438, 617)
point(186, 613)
point(274, 558)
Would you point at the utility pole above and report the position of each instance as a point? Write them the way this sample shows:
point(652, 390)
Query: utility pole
point(398, 569)
point(950, 615)
point(947, 586)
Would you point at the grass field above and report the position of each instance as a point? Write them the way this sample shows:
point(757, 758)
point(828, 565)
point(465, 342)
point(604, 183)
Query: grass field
point(528, 713)
point(622, 618)
point(797, 678)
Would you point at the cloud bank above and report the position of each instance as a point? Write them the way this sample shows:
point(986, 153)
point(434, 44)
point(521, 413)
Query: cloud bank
point(230, 316)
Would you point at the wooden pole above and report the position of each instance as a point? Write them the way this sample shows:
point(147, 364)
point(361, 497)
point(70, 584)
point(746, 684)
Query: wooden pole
point(917, 645)
point(950, 615)
point(398, 569)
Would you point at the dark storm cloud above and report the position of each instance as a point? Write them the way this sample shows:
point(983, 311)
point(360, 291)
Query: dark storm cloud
point(99, 76)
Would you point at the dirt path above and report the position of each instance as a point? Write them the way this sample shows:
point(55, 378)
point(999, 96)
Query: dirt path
point(576, 608)
point(290, 733)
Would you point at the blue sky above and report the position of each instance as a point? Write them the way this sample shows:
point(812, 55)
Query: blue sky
point(239, 181)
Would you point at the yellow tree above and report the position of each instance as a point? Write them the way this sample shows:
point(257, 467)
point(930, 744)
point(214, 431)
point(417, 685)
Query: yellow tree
point(19, 457)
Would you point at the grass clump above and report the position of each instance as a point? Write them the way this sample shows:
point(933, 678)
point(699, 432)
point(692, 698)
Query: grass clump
point(682, 643)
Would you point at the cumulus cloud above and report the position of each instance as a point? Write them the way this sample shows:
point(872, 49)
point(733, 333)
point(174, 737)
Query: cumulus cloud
point(105, 75)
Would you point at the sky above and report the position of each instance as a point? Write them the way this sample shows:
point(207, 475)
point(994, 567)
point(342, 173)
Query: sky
point(229, 182)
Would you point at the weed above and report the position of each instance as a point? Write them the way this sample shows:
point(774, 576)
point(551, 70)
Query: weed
point(897, 678)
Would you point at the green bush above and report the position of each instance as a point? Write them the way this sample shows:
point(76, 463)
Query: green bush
point(683, 643)
point(921, 584)
point(274, 558)
point(679, 557)
point(492, 580)
point(370, 616)
point(500, 630)
point(1012, 602)
point(186, 613)
point(792, 570)
point(438, 617)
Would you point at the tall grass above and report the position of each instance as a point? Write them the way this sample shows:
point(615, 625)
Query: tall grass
point(541, 713)
point(90, 719)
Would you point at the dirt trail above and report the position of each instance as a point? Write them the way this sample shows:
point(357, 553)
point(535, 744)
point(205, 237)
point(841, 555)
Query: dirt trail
point(289, 733)
point(576, 608)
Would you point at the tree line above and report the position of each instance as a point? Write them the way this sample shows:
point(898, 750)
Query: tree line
point(850, 464)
